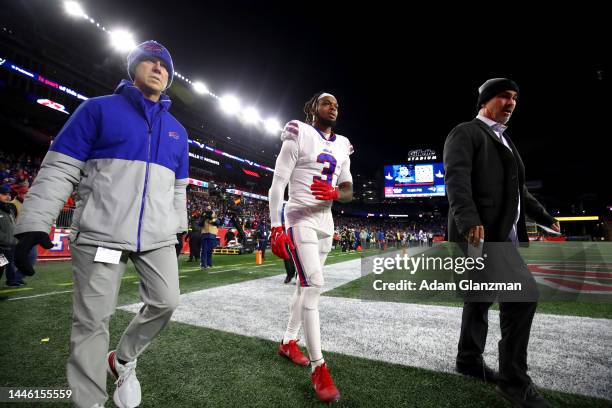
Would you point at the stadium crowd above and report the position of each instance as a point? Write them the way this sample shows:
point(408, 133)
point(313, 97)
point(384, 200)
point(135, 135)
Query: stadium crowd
point(17, 171)
point(353, 233)
point(16, 174)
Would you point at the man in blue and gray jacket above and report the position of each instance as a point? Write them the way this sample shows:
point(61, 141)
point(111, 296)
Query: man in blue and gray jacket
point(127, 156)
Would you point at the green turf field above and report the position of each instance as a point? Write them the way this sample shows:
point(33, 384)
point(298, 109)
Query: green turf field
point(189, 366)
point(55, 278)
point(580, 256)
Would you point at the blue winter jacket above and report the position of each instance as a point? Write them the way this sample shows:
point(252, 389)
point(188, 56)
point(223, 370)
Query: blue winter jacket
point(130, 167)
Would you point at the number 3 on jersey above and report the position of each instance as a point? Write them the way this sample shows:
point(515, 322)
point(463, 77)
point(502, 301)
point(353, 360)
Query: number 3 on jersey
point(328, 170)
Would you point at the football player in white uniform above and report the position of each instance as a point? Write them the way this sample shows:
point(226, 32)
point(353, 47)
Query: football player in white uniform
point(315, 163)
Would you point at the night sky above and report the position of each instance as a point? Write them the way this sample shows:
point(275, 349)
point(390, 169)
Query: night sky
point(403, 78)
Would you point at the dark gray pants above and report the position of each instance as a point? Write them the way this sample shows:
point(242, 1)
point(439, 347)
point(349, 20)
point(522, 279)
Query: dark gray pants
point(515, 320)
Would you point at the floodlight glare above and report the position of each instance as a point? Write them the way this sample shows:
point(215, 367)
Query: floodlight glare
point(122, 40)
point(74, 9)
point(230, 104)
point(251, 115)
point(272, 125)
point(200, 88)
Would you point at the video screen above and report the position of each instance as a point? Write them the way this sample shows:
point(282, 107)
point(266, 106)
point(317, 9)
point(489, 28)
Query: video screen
point(414, 180)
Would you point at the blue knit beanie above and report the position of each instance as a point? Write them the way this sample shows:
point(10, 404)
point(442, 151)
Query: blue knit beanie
point(150, 49)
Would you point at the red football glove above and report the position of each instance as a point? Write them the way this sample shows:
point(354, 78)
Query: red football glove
point(323, 191)
point(279, 241)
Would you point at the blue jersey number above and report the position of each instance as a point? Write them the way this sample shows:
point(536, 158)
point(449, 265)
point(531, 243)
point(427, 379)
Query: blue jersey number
point(328, 171)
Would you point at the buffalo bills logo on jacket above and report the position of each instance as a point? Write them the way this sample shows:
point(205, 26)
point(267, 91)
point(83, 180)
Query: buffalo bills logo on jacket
point(174, 135)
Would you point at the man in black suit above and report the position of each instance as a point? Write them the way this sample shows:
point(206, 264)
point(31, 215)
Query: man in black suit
point(488, 201)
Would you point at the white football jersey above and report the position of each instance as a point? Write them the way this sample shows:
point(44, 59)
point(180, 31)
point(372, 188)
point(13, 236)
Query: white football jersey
point(318, 159)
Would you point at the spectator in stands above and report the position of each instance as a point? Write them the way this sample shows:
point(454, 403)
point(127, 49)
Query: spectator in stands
point(357, 238)
point(20, 191)
point(209, 237)
point(195, 238)
point(262, 238)
point(344, 239)
point(363, 239)
point(381, 239)
point(336, 239)
point(7, 239)
point(390, 238)
point(128, 156)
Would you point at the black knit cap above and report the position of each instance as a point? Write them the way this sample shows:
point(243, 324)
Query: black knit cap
point(494, 87)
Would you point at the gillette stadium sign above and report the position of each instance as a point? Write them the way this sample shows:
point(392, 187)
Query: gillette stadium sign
point(422, 155)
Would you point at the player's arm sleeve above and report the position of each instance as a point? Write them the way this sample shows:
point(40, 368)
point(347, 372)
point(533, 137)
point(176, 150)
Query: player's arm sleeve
point(345, 173)
point(285, 163)
point(458, 156)
point(61, 170)
point(180, 189)
point(345, 179)
point(345, 183)
point(535, 210)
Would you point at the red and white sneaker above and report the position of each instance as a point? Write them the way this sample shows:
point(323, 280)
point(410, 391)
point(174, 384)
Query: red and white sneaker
point(127, 394)
point(293, 353)
point(324, 385)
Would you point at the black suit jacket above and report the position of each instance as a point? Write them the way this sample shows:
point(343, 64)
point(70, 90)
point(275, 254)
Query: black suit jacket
point(483, 182)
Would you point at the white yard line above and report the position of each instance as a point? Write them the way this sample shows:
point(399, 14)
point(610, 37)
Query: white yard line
point(566, 353)
point(41, 295)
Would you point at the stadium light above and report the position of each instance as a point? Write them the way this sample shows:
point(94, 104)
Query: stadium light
point(251, 115)
point(74, 9)
point(200, 88)
point(230, 104)
point(122, 40)
point(272, 125)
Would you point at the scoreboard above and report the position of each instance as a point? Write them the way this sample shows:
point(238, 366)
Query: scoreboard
point(414, 180)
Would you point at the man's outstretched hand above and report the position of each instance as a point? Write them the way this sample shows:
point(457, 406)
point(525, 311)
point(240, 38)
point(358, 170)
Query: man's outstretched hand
point(27, 240)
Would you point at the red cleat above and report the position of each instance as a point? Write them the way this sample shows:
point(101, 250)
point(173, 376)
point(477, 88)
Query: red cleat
point(324, 385)
point(293, 353)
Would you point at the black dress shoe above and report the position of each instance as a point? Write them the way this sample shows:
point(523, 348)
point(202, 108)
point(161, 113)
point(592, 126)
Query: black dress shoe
point(526, 396)
point(479, 371)
point(288, 278)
